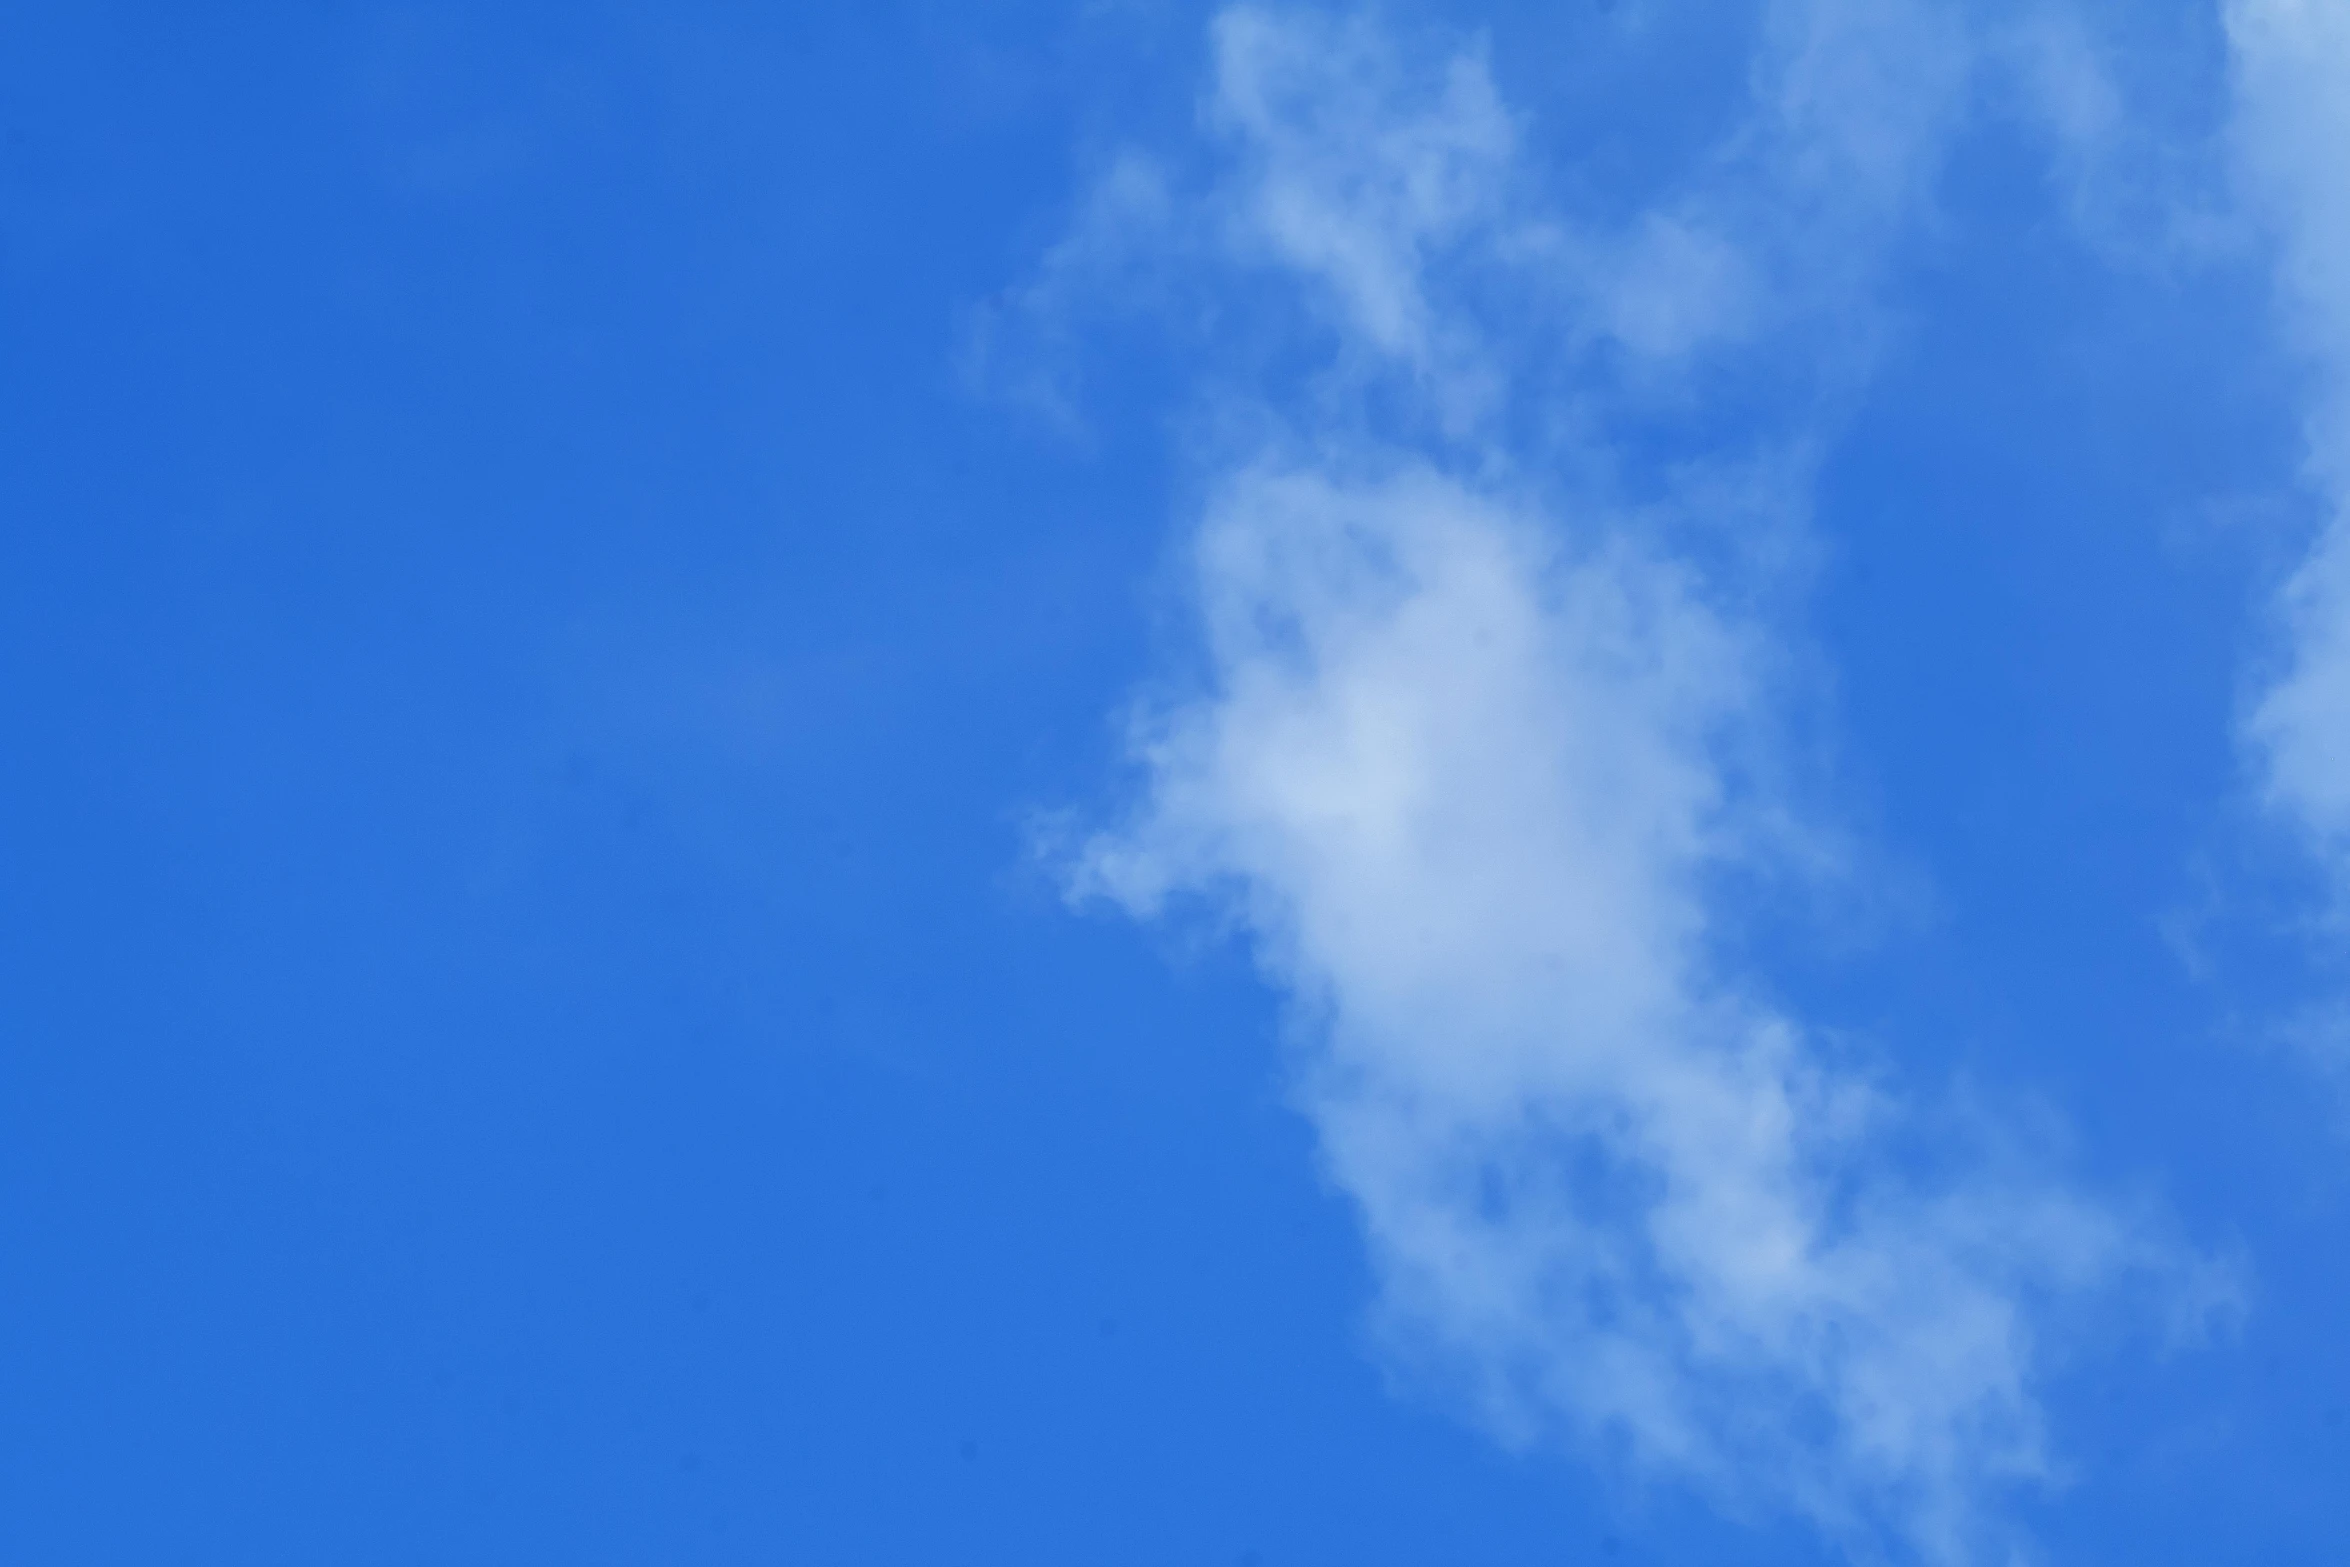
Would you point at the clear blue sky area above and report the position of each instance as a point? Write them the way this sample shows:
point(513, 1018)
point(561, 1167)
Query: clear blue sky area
point(564, 568)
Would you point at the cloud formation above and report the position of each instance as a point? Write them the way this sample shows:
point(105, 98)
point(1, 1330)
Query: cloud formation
point(2291, 62)
point(1473, 750)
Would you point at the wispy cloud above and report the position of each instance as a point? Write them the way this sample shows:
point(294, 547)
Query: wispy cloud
point(2292, 129)
point(2132, 162)
point(1477, 740)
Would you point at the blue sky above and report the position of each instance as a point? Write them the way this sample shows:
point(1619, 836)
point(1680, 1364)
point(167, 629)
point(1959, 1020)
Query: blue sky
point(1126, 783)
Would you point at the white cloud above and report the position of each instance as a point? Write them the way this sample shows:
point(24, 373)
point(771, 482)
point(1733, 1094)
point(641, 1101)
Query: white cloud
point(1473, 751)
point(1348, 180)
point(2111, 88)
point(2292, 77)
